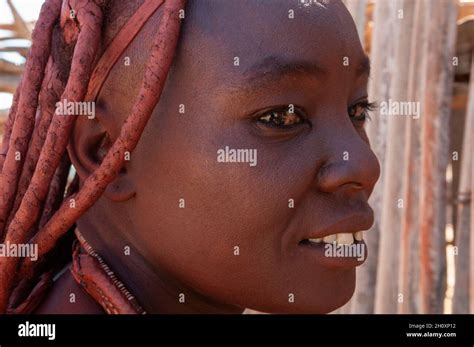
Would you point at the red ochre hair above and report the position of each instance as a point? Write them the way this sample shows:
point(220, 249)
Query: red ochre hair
point(34, 163)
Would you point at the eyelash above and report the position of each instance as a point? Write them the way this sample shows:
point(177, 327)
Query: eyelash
point(357, 113)
point(364, 108)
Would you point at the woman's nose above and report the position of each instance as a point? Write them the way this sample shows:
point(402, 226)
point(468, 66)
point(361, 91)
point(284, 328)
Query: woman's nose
point(352, 167)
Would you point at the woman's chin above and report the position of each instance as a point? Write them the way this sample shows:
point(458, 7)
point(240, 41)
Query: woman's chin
point(323, 301)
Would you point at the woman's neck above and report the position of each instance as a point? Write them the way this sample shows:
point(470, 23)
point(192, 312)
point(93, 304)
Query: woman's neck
point(154, 288)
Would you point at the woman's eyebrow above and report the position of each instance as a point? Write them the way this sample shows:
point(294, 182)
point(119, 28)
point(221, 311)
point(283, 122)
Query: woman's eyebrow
point(276, 66)
point(273, 67)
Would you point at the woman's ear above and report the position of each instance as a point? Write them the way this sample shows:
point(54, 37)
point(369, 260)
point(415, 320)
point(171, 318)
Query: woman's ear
point(90, 142)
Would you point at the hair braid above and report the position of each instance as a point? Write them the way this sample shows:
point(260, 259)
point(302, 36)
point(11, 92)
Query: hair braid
point(33, 207)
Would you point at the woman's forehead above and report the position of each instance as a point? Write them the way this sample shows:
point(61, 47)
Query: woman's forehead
point(271, 25)
point(229, 39)
point(225, 40)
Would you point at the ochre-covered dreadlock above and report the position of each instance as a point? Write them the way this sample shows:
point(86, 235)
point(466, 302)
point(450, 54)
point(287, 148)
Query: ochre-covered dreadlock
point(34, 162)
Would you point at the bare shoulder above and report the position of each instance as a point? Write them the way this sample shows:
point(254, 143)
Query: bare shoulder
point(67, 297)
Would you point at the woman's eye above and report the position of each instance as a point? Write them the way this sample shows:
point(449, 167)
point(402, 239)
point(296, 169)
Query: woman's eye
point(282, 119)
point(360, 111)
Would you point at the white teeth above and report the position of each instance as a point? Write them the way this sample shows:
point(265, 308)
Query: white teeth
point(345, 239)
point(341, 238)
point(329, 239)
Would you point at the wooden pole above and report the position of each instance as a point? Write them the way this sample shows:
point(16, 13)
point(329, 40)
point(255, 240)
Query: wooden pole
point(434, 153)
point(387, 297)
point(468, 150)
point(21, 28)
point(462, 255)
point(409, 230)
point(363, 300)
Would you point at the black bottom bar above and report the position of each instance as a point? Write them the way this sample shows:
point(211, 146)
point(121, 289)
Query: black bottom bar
point(393, 330)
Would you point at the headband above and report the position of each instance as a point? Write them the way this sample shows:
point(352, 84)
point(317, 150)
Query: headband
point(118, 46)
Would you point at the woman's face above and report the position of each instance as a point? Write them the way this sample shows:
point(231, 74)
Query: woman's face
point(236, 235)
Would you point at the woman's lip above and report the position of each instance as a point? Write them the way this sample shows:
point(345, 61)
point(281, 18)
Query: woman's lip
point(349, 224)
point(329, 255)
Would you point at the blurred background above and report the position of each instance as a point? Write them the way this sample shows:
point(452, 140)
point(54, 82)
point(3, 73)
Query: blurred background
point(421, 255)
point(17, 20)
point(422, 53)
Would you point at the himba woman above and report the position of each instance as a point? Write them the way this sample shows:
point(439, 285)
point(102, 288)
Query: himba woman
point(152, 222)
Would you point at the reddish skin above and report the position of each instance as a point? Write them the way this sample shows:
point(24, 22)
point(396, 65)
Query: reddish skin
point(92, 188)
point(190, 250)
point(27, 104)
point(55, 142)
point(47, 99)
